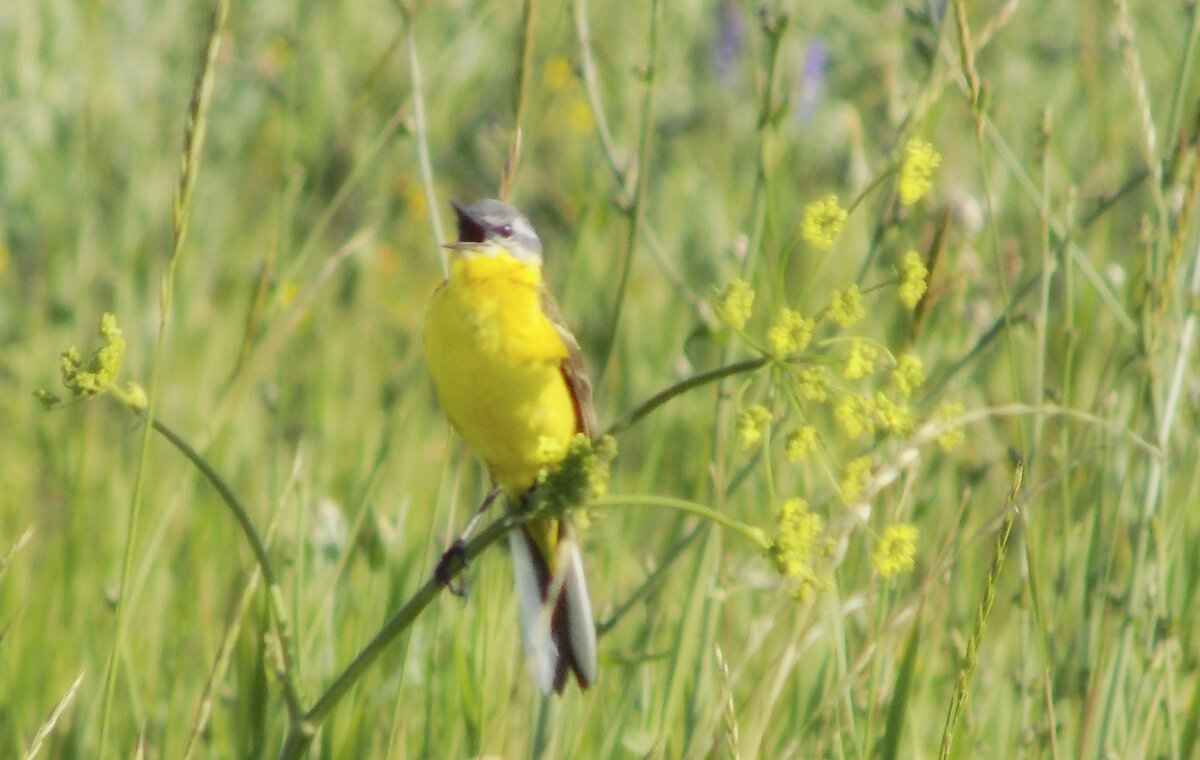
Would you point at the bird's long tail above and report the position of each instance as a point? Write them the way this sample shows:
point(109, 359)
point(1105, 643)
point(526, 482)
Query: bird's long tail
point(556, 613)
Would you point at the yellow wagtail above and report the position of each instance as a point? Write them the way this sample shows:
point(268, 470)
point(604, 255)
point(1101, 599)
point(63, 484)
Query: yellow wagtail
point(511, 378)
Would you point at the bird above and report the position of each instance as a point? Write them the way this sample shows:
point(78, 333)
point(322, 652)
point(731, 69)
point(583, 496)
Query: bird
point(512, 381)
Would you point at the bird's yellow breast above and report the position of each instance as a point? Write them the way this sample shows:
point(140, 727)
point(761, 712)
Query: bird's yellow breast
point(496, 359)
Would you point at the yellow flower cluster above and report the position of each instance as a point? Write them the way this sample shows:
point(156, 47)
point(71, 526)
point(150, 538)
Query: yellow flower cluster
point(101, 371)
point(792, 550)
point(907, 375)
point(913, 281)
point(581, 476)
point(99, 375)
point(736, 304)
point(750, 424)
point(859, 415)
point(800, 443)
point(916, 167)
point(861, 360)
point(854, 480)
point(894, 552)
point(812, 383)
point(852, 380)
point(822, 222)
point(846, 307)
point(790, 333)
point(893, 416)
point(855, 415)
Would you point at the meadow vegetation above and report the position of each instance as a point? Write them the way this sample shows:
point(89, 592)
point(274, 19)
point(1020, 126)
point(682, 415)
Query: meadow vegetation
point(890, 310)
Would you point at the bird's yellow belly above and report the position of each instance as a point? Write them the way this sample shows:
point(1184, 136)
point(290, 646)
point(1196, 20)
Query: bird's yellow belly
point(496, 363)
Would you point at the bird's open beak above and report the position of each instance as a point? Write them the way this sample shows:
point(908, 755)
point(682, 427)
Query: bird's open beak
point(470, 228)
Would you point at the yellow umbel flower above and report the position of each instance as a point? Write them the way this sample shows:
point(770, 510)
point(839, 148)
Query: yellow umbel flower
point(893, 416)
point(751, 421)
point(736, 304)
point(855, 415)
point(581, 475)
point(821, 222)
point(790, 333)
point(813, 384)
point(894, 552)
point(861, 361)
point(916, 167)
point(801, 442)
point(793, 548)
point(845, 307)
point(87, 381)
point(907, 374)
point(854, 480)
point(913, 282)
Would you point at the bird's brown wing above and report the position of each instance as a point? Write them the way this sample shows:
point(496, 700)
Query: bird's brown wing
point(571, 626)
point(574, 369)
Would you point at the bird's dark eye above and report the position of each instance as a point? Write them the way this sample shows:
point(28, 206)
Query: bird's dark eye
point(504, 230)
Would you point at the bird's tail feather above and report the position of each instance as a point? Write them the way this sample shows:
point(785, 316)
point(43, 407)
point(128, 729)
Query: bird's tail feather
point(557, 628)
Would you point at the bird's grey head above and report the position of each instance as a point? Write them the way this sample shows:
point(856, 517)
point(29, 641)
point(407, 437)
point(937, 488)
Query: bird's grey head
point(488, 226)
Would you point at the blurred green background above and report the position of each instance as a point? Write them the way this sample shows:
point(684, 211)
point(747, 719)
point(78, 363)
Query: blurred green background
point(1062, 217)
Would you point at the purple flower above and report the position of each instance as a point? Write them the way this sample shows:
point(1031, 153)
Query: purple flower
point(812, 80)
point(729, 41)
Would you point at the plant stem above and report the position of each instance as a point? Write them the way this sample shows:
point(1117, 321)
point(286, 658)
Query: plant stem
point(291, 693)
point(749, 532)
point(683, 386)
point(193, 145)
point(301, 733)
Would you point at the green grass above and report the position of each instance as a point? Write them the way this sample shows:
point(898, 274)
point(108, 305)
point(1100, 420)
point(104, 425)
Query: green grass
point(1064, 295)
